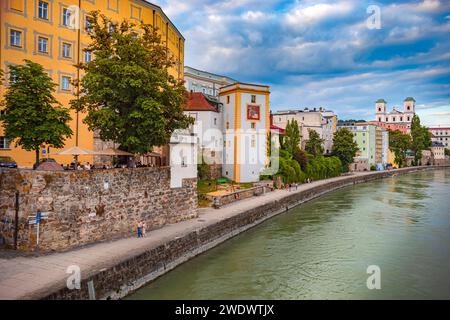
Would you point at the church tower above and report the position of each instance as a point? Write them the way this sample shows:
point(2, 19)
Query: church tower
point(409, 109)
point(380, 110)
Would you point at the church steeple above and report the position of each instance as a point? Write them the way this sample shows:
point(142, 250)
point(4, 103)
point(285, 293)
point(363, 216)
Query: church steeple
point(380, 109)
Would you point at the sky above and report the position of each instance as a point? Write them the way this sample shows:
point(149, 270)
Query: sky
point(338, 54)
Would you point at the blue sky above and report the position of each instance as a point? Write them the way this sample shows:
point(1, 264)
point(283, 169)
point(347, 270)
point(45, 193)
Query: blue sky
point(321, 53)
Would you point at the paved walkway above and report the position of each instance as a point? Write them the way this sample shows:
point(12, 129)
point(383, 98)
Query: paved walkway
point(34, 277)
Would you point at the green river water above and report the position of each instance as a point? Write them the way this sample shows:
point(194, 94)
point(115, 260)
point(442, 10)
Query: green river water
point(321, 249)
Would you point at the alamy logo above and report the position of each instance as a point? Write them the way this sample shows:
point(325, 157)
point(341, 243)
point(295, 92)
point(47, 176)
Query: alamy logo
point(374, 20)
point(74, 280)
point(374, 280)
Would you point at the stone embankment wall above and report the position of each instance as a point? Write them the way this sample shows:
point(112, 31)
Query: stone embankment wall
point(90, 206)
point(222, 200)
point(126, 276)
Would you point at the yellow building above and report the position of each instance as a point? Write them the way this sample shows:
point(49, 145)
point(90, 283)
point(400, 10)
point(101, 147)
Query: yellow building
point(43, 31)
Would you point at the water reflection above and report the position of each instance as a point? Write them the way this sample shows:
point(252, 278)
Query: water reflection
point(321, 249)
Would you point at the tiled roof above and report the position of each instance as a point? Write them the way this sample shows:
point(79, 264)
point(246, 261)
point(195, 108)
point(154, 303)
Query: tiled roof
point(276, 129)
point(198, 102)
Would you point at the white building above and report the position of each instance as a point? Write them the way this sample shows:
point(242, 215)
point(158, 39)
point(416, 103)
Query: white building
point(246, 122)
point(205, 82)
point(438, 151)
point(183, 157)
point(441, 134)
point(396, 116)
point(323, 121)
point(208, 125)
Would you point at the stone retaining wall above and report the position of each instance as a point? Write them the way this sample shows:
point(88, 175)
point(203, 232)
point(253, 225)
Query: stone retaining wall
point(127, 276)
point(89, 206)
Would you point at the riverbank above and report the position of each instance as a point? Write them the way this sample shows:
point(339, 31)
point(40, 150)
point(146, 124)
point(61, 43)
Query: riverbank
point(120, 267)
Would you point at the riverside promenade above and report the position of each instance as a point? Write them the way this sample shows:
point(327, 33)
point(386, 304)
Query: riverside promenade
point(30, 277)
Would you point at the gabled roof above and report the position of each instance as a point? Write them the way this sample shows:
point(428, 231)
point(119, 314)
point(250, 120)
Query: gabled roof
point(198, 102)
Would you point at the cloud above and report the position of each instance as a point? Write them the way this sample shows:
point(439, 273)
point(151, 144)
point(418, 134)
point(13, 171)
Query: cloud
point(321, 53)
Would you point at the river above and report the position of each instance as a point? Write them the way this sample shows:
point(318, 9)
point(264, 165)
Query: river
point(322, 249)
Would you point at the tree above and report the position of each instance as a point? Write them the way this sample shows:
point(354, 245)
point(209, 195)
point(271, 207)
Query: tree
point(344, 147)
point(421, 139)
point(400, 143)
point(314, 144)
point(291, 139)
point(127, 90)
point(33, 116)
point(301, 157)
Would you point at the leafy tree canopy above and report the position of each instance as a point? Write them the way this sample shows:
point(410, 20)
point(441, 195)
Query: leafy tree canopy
point(127, 90)
point(344, 147)
point(314, 144)
point(291, 139)
point(33, 116)
point(400, 143)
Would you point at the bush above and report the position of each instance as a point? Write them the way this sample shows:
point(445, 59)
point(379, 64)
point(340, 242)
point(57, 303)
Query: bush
point(373, 168)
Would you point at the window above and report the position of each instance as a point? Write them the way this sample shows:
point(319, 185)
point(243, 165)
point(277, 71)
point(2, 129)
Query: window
point(215, 121)
point(401, 118)
point(88, 24)
point(66, 17)
point(42, 45)
point(4, 143)
point(66, 48)
point(15, 37)
point(12, 76)
point(253, 125)
point(253, 99)
point(43, 10)
point(253, 143)
point(228, 125)
point(228, 99)
point(65, 83)
point(87, 56)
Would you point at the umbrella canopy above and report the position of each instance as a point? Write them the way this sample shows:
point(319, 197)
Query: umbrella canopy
point(75, 151)
point(113, 152)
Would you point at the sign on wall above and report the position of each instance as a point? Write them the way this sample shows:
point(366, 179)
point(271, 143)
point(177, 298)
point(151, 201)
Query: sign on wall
point(253, 112)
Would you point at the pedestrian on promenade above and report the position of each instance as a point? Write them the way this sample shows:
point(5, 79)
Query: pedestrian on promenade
point(144, 229)
point(139, 229)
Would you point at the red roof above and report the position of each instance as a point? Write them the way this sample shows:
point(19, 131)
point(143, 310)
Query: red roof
point(277, 129)
point(198, 102)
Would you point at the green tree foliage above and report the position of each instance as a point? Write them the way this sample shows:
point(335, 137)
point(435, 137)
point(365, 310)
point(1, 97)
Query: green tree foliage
point(127, 91)
point(33, 116)
point(420, 139)
point(291, 139)
point(447, 152)
point(400, 143)
point(314, 144)
point(324, 167)
point(302, 159)
point(344, 147)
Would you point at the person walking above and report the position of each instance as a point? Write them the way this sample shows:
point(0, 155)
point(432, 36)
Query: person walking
point(139, 229)
point(144, 229)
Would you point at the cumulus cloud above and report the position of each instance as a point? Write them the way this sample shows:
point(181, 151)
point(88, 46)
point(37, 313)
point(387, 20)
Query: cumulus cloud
point(321, 53)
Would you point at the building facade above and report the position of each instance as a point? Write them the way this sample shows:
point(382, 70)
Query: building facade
point(208, 126)
point(438, 151)
point(205, 82)
point(395, 116)
point(441, 135)
point(373, 143)
point(246, 120)
point(324, 122)
point(54, 34)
